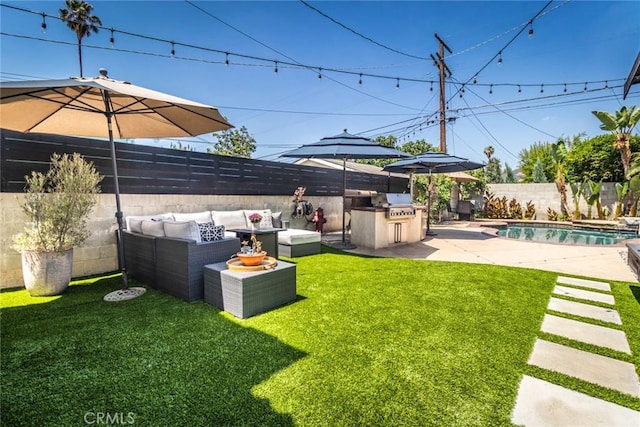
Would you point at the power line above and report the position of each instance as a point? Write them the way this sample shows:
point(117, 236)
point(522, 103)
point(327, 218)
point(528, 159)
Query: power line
point(369, 39)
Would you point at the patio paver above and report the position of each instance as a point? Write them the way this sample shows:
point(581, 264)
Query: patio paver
point(601, 336)
point(540, 403)
point(585, 310)
point(583, 283)
point(584, 295)
point(593, 368)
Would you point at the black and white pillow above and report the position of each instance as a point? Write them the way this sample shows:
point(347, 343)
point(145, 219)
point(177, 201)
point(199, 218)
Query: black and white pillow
point(210, 232)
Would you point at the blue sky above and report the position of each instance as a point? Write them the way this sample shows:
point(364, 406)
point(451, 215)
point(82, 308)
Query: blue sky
point(573, 42)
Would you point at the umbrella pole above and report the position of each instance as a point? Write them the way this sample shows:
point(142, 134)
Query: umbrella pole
point(121, 259)
point(344, 195)
point(429, 233)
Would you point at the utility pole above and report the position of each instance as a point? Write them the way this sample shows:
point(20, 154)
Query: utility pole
point(444, 72)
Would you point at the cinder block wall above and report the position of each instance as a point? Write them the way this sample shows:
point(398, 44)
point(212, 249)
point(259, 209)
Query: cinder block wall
point(546, 195)
point(99, 253)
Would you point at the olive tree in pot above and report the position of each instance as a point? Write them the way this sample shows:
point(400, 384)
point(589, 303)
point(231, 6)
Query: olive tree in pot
point(57, 205)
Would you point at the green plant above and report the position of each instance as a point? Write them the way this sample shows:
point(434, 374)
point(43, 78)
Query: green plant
point(594, 198)
point(530, 211)
point(621, 125)
point(57, 205)
point(576, 192)
point(621, 191)
point(552, 215)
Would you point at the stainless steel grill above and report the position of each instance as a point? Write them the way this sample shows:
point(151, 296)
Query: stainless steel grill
point(397, 205)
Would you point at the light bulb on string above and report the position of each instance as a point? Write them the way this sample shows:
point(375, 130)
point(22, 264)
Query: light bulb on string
point(226, 58)
point(275, 70)
point(173, 49)
point(112, 39)
point(530, 29)
point(585, 86)
point(44, 22)
point(606, 84)
point(519, 89)
point(319, 73)
point(500, 58)
point(541, 88)
point(431, 90)
point(475, 79)
point(397, 82)
point(491, 89)
point(565, 88)
point(360, 79)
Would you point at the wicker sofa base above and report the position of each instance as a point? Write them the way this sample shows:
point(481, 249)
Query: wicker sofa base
point(244, 294)
point(303, 249)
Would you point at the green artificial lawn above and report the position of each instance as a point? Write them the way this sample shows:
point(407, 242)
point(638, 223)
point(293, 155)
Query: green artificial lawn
point(370, 341)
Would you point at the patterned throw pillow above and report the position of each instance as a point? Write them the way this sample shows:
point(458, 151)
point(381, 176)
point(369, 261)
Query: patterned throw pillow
point(210, 232)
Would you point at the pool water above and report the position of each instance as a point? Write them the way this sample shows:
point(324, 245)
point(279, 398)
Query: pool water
point(564, 235)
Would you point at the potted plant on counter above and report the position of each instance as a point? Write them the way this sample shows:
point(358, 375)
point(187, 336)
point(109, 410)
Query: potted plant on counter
point(57, 205)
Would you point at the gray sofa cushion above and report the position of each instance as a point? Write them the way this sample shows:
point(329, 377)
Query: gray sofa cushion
point(199, 217)
point(182, 230)
point(152, 228)
point(230, 219)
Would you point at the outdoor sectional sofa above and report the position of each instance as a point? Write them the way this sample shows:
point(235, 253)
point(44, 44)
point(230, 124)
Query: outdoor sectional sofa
point(169, 251)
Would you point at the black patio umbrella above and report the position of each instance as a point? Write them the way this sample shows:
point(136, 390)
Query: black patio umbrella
point(345, 146)
point(429, 163)
point(102, 107)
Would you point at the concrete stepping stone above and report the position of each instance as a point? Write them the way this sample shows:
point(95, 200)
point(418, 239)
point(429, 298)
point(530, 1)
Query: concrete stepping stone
point(585, 295)
point(592, 284)
point(586, 332)
point(541, 403)
point(593, 368)
point(603, 314)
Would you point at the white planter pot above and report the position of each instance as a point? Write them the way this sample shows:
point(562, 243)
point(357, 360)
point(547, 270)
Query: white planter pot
point(46, 273)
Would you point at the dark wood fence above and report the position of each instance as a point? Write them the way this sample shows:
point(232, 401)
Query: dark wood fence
point(152, 170)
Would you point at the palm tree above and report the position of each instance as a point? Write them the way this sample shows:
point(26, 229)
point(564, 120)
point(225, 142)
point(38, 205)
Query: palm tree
point(79, 19)
point(621, 126)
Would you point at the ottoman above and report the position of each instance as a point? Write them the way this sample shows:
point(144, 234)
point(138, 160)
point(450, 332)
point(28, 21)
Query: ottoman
point(294, 243)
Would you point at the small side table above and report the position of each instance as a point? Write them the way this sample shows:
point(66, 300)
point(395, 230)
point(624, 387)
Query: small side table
point(268, 237)
point(245, 294)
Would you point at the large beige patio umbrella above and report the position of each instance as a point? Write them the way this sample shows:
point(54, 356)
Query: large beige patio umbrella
point(102, 107)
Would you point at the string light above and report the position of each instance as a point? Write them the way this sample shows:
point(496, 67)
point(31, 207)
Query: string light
point(606, 84)
point(541, 88)
point(397, 82)
point(275, 70)
point(490, 89)
point(360, 80)
point(565, 88)
point(530, 29)
point(319, 73)
point(112, 40)
point(499, 57)
point(431, 90)
point(475, 80)
point(173, 49)
point(585, 86)
point(44, 22)
point(226, 58)
point(462, 91)
point(519, 89)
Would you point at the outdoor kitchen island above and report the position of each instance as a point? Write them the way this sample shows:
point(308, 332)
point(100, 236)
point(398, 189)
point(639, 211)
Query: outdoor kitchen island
point(391, 220)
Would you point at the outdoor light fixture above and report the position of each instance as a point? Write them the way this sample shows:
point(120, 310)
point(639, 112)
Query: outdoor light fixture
point(112, 40)
point(541, 88)
point(173, 48)
point(491, 89)
point(275, 70)
point(226, 58)
point(530, 29)
point(44, 22)
point(397, 82)
point(360, 80)
point(475, 79)
point(319, 73)
point(519, 89)
point(585, 86)
point(565, 88)
point(431, 90)
point(499, 57)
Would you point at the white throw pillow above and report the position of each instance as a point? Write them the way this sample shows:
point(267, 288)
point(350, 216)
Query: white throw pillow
point(230, 219)
point(199, 217)
point(152, 228)
point(137, 220)
point(182, 230)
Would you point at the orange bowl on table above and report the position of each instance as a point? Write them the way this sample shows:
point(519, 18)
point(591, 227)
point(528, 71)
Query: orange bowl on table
point(252, 259)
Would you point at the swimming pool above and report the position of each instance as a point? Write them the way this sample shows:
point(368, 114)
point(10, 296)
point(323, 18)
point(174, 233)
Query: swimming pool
point(552, 234)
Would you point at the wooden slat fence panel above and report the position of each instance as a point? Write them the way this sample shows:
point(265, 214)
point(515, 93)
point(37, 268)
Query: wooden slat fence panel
point(153, 170)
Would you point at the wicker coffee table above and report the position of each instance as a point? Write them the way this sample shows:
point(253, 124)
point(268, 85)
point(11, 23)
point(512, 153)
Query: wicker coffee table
point(245, 294)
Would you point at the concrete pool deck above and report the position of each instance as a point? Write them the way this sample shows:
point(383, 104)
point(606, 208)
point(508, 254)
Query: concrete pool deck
point(468, 242)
